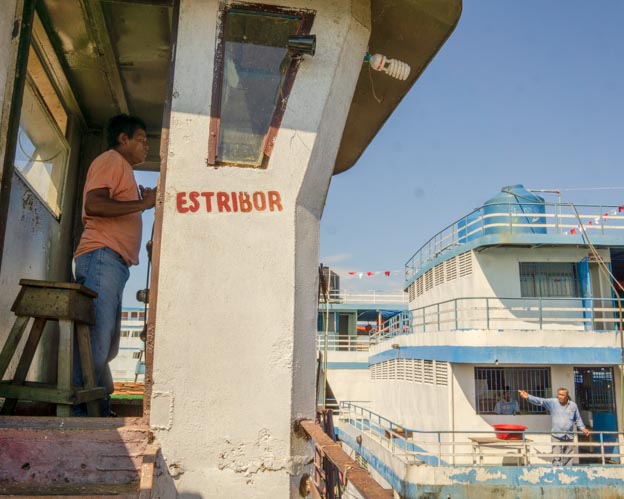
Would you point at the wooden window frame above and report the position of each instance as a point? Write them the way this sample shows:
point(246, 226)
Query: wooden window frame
point(307, 19)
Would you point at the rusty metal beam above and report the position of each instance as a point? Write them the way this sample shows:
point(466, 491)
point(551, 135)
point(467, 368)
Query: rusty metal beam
point(96, 25)
point(351, 471)
point(154, 3)
point(158, 218)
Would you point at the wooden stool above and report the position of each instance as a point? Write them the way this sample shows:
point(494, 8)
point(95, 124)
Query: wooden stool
point(69, 304)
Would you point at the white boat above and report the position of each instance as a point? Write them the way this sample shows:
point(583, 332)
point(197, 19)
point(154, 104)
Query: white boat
point(520, 294)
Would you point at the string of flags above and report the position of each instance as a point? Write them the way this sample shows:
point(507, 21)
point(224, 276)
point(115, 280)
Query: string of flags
point(386, 273)
point(596, 220)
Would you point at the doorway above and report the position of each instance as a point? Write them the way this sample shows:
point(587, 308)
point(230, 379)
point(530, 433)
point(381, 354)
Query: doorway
point(594, 393)
point(86, 61)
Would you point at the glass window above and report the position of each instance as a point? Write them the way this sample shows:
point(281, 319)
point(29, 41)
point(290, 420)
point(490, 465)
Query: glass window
point(491, 383)
point(41, 152)
point(136, 355)
point(42, 82)
point(552, 280)
point(254, 76)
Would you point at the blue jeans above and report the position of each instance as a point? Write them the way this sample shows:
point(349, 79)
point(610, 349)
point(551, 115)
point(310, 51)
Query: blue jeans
point(105, 272)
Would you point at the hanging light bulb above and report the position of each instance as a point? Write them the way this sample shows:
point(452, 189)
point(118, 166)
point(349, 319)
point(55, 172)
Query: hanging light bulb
point(393, 67)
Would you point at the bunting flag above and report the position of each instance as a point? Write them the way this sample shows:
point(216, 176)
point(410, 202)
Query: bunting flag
point(372, 273)
point(596, 220)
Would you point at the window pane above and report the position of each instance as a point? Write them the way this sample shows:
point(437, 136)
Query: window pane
point(255, 64)
point(545, 279)
point(41, 152)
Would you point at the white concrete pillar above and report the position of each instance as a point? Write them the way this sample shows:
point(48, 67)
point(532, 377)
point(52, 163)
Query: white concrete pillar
point(234, 361)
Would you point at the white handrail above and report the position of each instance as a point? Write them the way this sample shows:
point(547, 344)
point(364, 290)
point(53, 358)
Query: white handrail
point(439, 448)
point(589, 314)
point(557, 219)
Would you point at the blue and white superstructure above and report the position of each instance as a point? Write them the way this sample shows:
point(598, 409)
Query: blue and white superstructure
point(519, 294)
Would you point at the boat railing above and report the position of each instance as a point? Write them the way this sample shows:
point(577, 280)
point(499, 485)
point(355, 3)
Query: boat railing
point(505, 218)
point(581, 314)
point(342, 342)
point(397, 325)
point(481, 448)
point(374, 297)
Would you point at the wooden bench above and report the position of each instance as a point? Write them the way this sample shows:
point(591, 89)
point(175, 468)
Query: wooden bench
point(72, 306)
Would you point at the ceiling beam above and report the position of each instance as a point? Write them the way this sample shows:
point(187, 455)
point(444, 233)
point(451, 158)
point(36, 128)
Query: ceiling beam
point(154, 3)
point(96, 25)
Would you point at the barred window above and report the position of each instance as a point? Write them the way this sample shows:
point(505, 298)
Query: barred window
point(549, 279)
point(492, 382)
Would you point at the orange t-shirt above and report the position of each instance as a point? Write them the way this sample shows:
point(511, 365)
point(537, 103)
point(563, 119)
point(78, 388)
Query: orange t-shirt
point(122, 234)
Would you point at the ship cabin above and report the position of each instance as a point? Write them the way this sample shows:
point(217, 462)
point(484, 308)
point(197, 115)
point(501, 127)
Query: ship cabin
point(519, 294)
point(346, 323)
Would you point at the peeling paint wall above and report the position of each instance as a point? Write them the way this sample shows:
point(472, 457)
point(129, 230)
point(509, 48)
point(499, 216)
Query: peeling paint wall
point(234, 361)
point(31, 231)
point(496, 482)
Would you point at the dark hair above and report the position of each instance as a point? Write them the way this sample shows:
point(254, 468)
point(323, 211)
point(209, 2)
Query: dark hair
point(122, 123)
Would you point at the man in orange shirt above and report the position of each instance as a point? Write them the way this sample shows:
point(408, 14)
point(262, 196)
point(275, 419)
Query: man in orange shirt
point(110, 242)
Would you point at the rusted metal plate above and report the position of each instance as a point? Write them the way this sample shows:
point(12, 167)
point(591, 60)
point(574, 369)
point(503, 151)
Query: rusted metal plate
point(352, 472)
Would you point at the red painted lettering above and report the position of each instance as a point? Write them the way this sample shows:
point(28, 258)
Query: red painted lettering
point(243, 201)
point(223, 202)
point(181, 202)
point(259, 201)
point(237, 201)
point(208, 197)
point(234, 199)
point(275, 201)
point(193, 196)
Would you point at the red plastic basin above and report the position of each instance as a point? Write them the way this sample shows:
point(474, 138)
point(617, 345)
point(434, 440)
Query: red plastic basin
point(503, 431)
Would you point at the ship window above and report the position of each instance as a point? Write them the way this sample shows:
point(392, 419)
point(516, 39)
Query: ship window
point(492, 382)
point(548, 279)
point(253, 76)
point(136, 355)
point(42, 151)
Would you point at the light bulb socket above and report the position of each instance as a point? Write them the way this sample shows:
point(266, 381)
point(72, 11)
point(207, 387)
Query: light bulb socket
point(302, 44)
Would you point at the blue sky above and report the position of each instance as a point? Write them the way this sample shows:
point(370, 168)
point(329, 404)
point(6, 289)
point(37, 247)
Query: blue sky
point(524, 92)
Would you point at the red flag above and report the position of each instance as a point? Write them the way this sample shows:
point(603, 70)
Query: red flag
point(387, 272)
point(351, 273)
point(620, 208)
point(369, 273)
point(572, 231)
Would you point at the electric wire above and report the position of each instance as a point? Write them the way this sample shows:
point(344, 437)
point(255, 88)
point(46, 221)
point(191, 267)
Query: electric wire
point(611, 279)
